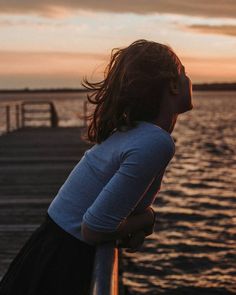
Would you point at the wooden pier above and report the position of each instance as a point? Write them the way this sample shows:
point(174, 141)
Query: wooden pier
point(34, 163)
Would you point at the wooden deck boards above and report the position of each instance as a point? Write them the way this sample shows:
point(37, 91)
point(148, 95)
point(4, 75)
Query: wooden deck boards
point(34, 163)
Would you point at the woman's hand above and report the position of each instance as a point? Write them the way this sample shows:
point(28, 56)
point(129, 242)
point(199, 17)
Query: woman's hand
point(150, 228)
point(134, 241)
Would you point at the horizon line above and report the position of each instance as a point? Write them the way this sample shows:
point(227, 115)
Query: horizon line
point(195, 86)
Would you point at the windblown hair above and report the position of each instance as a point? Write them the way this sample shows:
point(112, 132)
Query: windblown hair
point(132, 89)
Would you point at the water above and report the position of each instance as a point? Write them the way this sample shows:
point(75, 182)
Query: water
point(193, 249)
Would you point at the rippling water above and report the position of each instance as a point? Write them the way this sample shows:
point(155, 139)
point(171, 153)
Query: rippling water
point(193, 249)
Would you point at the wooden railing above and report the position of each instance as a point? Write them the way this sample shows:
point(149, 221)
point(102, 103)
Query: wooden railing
point(32, 111)
point(23, 113)
point(8, 124)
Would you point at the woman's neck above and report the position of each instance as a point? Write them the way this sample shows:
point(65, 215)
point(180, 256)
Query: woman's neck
point(166, 121)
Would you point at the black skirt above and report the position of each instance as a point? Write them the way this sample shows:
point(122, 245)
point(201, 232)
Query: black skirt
point(51, 261)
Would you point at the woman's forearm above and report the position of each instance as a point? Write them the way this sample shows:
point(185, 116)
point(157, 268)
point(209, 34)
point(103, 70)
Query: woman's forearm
point(132, 224)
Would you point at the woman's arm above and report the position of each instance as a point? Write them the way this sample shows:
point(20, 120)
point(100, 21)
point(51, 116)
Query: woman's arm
point(134, 223)
point(110, 215)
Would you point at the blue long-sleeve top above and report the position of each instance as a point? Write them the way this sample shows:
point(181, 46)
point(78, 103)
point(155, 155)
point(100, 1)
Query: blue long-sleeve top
point(119, 176)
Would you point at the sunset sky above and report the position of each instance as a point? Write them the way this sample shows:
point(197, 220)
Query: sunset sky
point(56, 43)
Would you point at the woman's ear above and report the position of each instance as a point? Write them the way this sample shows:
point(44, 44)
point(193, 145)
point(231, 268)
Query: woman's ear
point(174, 87)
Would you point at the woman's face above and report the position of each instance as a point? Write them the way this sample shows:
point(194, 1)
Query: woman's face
point(182, 98)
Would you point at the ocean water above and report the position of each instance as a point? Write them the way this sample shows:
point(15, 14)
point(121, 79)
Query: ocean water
point(193, 248)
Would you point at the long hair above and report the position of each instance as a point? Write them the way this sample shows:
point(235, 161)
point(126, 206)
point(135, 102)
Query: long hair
point(132, 88)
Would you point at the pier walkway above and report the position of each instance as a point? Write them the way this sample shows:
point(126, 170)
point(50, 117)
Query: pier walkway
point(34, 163)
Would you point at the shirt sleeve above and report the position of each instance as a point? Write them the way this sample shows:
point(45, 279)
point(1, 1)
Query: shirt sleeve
point(128, 185)
point(150, 196)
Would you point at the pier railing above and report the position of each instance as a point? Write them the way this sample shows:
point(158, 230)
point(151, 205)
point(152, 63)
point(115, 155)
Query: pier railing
point(6, 114)
point(36, 111)
point(23, 114)
point(106, 277)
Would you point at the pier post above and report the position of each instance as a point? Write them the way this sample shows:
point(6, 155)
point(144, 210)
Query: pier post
point(8, 127)
point(17, 117)
point(85, 113)
point(54, 116)
point(22, 116)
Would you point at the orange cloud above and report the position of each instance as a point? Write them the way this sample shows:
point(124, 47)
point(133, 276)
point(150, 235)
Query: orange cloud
point(62, 8)
point(213, 29)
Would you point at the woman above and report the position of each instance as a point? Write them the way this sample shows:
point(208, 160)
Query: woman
point(108, 194)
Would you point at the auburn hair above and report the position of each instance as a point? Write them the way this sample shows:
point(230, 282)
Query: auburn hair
point(132, 88)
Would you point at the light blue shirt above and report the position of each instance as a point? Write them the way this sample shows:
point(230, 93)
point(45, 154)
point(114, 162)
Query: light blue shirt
point(113, 179)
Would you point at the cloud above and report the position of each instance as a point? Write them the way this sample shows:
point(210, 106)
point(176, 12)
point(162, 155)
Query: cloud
point(45, 24)
point(63, 8)
point(212, 29)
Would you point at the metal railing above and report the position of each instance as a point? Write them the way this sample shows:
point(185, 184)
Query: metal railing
point(106, 279)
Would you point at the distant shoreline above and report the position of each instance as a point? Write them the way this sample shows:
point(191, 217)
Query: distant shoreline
point(196, 87)
point(215, 87)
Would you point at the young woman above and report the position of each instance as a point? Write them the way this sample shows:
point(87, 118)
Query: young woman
point(108, 194)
